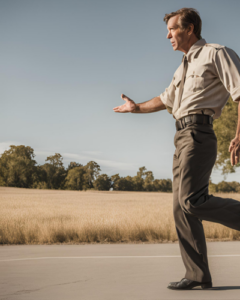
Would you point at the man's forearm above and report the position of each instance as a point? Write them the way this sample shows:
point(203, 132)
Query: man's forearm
point(153, 105)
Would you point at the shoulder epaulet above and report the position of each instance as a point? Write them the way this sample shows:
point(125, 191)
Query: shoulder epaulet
point(216, 46)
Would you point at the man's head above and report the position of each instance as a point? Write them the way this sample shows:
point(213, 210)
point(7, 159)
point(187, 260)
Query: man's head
point(184, 28)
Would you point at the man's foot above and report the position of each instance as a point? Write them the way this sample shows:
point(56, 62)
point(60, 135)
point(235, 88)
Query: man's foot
point(186, 284)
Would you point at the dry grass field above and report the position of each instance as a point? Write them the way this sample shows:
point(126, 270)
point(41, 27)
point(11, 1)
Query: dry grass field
point(29, 216)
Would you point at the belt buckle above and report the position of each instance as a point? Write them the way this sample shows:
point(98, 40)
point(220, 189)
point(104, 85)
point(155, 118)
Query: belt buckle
point(188, 120)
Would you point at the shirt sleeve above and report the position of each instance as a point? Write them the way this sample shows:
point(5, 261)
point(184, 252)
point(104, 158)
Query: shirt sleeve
point(168, 97)
point(228, 67)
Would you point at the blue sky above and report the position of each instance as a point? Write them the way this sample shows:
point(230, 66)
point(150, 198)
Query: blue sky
point(64, 65)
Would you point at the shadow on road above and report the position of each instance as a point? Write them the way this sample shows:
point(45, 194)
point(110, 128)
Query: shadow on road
point(221, 288)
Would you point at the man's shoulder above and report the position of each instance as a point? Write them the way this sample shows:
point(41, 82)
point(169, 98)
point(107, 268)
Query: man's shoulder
point(213, 47)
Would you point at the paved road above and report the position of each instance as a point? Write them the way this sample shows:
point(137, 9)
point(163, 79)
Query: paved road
point(111, 272)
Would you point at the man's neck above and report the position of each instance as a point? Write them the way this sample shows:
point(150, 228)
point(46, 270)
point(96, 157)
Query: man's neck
point(189, 44)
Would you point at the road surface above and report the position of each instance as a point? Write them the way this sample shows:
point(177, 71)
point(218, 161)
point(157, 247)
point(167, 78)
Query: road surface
point(111, 272)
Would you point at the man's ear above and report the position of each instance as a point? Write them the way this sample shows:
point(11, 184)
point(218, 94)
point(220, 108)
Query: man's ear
point(190, 29)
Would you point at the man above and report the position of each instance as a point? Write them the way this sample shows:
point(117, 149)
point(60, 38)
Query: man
point(201, 86)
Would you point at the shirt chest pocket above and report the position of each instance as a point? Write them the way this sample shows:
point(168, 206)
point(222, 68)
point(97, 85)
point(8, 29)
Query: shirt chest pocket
point(195, 80)
point(176, 82)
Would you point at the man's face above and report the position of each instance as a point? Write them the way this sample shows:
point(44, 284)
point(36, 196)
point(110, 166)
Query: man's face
point(178, 38)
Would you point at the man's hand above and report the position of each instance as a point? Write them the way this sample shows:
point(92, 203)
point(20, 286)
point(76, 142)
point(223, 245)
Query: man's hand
point(129, 106)
point(234, 148)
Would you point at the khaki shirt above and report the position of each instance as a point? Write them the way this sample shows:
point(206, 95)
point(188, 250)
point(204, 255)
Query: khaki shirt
point(213, 75)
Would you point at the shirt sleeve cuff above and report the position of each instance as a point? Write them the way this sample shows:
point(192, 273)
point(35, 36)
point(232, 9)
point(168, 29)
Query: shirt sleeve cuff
point(236, 94)
point(166, 103)
point(165, 100)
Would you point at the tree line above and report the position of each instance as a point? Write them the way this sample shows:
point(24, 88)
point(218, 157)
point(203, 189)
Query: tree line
point(19, 169)
point(224, 187)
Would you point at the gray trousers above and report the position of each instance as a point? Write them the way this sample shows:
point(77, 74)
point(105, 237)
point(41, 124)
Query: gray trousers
point(193, 160)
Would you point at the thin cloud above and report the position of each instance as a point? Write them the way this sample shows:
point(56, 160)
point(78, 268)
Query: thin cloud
point(6, 145)
point(92, 152)
point(102, 162)
point(81, 158)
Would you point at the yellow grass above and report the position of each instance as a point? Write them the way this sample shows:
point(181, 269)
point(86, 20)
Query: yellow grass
point(29, 216)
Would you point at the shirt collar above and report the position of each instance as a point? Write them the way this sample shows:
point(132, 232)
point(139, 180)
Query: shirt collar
point(193, 51)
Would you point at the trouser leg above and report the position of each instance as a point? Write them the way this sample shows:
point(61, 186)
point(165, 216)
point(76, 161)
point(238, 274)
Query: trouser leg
point(196, 151)
point(197, 154)
point(190, 233)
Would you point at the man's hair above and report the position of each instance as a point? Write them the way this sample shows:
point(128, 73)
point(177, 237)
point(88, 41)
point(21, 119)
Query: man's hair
point(187, 16)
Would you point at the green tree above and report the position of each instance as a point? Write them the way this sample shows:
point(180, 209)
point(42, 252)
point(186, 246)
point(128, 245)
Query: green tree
point(2, 182)
point(141, 172)
point(213, 188)
point(40, 178)
point(148, 181)
point(72, 165)
point(137, 183)
point(124, 184)
point(129, 183)
point(55, 171)
point(92, 171)
point(162, 185)
point(138, 180)
point(17, 166)
point(75, 178)
point(225, 129)
point(235, 186)
point(114, 179)
point(102, 183)
point(225, 187)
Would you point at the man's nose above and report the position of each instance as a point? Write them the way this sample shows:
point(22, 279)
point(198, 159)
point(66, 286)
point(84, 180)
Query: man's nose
point(169, 35)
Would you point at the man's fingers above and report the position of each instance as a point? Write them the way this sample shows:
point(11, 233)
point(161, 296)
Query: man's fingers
point(232, 157)
point(124, 97)
point(236, 159)
point(237, 154)
point(119, 108)
point(234, 148)
point(232, 144)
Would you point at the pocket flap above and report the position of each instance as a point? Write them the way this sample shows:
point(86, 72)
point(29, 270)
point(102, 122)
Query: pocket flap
point(176, 81)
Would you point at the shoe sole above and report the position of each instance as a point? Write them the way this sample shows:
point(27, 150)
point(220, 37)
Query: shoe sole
point(190, 287)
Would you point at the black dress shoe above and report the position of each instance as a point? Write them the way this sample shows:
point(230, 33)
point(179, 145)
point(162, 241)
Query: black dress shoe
point(186, 284)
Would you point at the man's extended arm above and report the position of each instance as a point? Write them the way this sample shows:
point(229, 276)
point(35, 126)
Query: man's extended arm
point(153, 105)
point(234, 147)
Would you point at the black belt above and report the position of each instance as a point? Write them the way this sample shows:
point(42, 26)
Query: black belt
point(193, 119)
